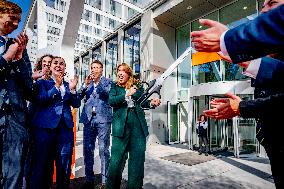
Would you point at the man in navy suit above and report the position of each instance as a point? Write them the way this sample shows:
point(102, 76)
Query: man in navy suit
point(96, 117)
point(15, 89)
point(267, 73)
point(53, 137)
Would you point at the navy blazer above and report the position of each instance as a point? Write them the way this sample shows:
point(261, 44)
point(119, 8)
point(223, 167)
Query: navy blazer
point(257, 38)
point(51, 107)
point(99, 101)
point(15, 77)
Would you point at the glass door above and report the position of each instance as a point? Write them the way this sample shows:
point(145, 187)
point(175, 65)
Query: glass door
point(173, 123)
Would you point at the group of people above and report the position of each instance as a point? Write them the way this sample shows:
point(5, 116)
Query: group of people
point(36, 122)
point(34, 135)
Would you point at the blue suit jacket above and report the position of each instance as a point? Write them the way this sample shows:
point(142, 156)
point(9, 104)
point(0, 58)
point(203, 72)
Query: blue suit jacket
point(99, 101)
point(50, 107)
point(15, 77)
point(270, 76)
point(257, 38)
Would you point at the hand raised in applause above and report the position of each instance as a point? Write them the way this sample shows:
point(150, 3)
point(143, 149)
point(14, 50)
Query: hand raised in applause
point(132, 90)
point(155, 102)
point(73, 83)
point(59, 80)
point(208, 40)
point(22, 40)
point(224, 108)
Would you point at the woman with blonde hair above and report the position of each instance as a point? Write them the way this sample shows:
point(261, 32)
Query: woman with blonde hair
point(129, 129)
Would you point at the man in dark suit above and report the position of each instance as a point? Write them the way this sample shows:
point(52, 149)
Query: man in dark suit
point(96, 117)
point(269, 89)
point(15, 85)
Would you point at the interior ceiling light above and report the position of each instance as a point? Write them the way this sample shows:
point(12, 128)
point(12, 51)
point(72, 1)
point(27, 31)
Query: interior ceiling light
point(189, 7)
point(245, 8)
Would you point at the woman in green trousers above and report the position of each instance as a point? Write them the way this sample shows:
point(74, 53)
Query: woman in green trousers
point(129, 129)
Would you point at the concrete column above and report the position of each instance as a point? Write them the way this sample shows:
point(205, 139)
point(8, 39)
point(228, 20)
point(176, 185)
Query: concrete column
point(120, 46)
point(41, 25)
point(158, 52)
point(70, 34)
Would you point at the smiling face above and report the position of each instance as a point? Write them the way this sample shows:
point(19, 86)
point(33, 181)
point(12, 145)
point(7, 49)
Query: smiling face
point(57, 66)
point(96, 70)
point(46, 62)
point(122, 76)
point(9, 23)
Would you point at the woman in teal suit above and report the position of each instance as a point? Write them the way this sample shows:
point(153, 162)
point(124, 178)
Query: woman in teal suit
point(129, 129)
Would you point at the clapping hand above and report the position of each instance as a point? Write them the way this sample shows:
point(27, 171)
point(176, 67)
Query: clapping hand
point(132, 90)
point(22, 41)
point(208, 40)
point(155, 102)
point(58, 80)
point(73, 83)
point(224, 108)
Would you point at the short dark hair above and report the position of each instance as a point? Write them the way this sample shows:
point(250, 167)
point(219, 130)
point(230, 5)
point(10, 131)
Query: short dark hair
point(7, 7)
point(97, 62)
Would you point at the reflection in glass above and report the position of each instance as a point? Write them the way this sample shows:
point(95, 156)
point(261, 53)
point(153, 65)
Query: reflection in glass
point(205, 73)
point(132, 47)
point(97, 54)
point(85, 67)
point(233, 72)
point(184, 69)
point(111, 57)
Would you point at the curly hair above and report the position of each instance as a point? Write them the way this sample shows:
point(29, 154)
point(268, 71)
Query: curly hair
point(38, 65)
point(7, 7)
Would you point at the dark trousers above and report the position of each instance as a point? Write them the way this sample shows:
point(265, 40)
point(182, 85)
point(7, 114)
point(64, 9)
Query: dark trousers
point(91, 132)
point(276, 157)
point(133, 143)
point(14, 138)
point(51, 145)
point(203, 140)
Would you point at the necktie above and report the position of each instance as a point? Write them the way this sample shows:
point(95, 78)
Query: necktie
point(4, 98)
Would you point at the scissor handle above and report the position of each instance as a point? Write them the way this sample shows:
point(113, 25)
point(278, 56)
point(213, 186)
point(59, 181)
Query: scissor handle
point(156, 90)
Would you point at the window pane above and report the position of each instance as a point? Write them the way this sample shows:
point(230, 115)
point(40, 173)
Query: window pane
point(132, 47)
point(111, 58)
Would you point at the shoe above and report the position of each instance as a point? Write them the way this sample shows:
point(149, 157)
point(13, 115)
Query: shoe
point(200, 153)
point(206, 154)
point(88, 185)
point(101, 186)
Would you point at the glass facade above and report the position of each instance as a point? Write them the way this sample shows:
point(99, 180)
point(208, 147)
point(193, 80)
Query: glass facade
point(221, 132)
point(85, 66)
point(111, 57)
point(132, 47)
point(97, 53)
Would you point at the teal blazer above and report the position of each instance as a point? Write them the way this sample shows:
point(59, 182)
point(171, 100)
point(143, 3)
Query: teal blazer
point(119, 104)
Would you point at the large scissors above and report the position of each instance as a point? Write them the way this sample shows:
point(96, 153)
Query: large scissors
point(154, 86)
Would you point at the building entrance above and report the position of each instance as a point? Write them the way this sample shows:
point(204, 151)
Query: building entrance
point(220, 132)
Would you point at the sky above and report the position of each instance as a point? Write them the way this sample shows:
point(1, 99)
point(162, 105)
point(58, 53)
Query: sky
point(25, 5)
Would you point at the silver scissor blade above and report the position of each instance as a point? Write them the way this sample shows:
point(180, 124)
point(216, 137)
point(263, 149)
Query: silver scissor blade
point(173, 66)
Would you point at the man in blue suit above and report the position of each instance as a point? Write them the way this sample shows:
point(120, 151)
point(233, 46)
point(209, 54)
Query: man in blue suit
point(53, 137)
point(96, 117)
point(15, 89)
point(241, 43)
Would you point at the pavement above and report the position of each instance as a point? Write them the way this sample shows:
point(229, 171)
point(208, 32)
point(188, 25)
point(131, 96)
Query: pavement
point(246, 172)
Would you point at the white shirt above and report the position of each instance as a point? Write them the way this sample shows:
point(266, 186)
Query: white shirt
point(203, 124)
point(130, 102)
